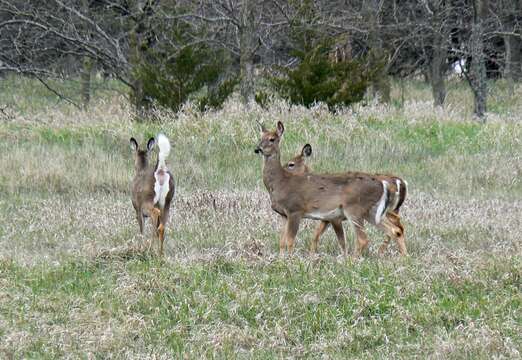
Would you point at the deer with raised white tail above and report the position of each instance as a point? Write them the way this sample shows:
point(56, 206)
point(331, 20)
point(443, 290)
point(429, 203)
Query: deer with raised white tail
point(357, 197)
point(397, 188)
point(152, 187)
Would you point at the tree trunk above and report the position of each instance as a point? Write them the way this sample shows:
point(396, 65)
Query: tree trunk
point(377, 57)
point(516, 58)
point(508, 69)
point(478, 72)
point(248, 45)
point(513, 43)
point(383, 87)
point(137, 93)
point(87, 65)
point(513, 67)
point(438, 64)
point(139, 36)
point(85, 81)
point(477, 76)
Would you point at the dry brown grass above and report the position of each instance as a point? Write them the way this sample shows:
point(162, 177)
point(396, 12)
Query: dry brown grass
point(76, 280)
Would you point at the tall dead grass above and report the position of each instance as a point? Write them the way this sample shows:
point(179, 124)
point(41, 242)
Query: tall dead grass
point(64, 203)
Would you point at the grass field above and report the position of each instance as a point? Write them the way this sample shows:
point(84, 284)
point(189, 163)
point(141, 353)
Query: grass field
point(75, 282)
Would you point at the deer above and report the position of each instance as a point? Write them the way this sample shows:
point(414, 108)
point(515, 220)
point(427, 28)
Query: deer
point(397, 189)
point(354, 196)
point(152, 187)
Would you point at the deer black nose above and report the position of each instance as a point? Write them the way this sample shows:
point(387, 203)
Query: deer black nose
point(258, 150)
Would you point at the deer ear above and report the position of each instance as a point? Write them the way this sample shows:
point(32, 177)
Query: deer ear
point(307, 150)
point(150, 144)
point(133, 144)
point(280, 128)
point(262, 128)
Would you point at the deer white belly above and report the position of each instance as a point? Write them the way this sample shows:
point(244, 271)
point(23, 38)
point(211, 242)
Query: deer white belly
point(161, 187)
point(326, 215)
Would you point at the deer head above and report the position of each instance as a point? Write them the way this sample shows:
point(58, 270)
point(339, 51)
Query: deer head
point(141, 157)
point(297, 165)
point(269, 144)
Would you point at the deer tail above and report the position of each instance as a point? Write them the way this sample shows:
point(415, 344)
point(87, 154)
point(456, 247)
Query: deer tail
point(402, 195)
point(383, 203)
point(164, 150)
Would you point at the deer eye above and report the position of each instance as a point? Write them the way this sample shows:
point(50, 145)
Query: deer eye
point(291, 165)
point(271, 140)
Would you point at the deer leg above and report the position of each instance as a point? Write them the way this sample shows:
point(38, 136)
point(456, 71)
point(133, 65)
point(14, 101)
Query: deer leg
point(319, 230)
point(388, 234)
point(156, 232)
point(154, 214)
point(339, 232)
point(161, 234)
point(401, 242)
point(292, 225)
point(282, 238)
point(362, 238)
point(161, 228)
point(139, 217)
point(384, 245)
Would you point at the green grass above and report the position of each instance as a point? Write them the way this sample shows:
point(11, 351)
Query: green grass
point(31, 96)
point(76, 281)
point(355, 309)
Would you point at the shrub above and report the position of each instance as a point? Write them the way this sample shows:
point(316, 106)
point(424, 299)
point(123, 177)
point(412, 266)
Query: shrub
point(218, 93)
point(317, 79)
point(170, 80)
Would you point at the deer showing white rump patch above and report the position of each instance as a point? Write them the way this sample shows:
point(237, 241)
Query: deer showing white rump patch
point(161, 187)
point(152, 190)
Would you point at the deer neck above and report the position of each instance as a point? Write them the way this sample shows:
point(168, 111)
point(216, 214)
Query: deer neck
point(273, 172)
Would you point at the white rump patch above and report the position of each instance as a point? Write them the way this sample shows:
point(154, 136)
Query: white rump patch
point(382, 203)
point(161, 187)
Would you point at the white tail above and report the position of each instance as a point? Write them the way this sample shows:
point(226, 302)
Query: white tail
point(164, 150)
point(161, 185)
point(381, 208)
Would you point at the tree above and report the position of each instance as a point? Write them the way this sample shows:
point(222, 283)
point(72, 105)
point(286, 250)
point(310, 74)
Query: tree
point(440, 15)
point(510, 16)
point(477, 72)
point(236, 26)
point(38, 38)
point(319, 79)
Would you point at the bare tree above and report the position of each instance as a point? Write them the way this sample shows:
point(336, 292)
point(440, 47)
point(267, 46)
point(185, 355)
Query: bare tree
point(477, 73)
point(245, 28)
point(37, 38)
point(401, 38)
point(509, 14)
point(440, 16)
point(372, 14)
point(87, 67)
